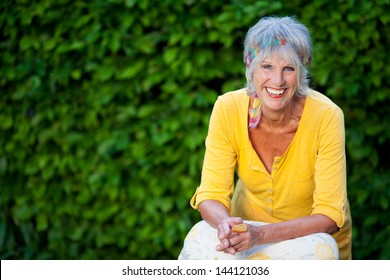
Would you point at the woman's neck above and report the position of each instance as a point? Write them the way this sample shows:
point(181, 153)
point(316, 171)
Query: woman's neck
point(282, 119)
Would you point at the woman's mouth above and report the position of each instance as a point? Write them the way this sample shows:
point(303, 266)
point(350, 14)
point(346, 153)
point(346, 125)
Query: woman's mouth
point(275, 93)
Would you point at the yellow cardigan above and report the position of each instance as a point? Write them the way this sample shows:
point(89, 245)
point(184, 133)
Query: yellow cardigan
point(310, 178)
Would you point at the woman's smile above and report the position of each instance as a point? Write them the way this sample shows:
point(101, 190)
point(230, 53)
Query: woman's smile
point(275, 93)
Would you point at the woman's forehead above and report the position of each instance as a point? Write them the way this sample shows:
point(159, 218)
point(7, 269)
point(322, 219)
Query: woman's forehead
point(279, 59)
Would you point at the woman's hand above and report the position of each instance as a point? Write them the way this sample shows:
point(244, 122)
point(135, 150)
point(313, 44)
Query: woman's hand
point(218, 216)
point(235, 242)
point(225, 235)
point(245, 240)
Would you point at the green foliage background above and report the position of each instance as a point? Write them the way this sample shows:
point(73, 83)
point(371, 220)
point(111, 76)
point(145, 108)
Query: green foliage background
point(104, 108)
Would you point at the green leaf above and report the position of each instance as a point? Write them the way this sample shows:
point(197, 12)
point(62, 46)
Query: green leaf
point(131, 71)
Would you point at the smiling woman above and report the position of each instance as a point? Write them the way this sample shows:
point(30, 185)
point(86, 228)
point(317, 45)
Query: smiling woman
point(287, 144)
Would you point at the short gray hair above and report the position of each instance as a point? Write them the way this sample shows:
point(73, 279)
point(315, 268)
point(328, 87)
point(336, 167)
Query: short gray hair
point(285, 37)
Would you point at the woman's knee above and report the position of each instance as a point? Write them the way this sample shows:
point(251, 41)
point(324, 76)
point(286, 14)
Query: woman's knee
point(319, 246)
point(326, 247)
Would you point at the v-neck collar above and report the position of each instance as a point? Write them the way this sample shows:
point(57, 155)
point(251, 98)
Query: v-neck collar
point(255, 163)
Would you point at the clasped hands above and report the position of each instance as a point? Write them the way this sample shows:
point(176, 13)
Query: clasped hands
point(235, 242)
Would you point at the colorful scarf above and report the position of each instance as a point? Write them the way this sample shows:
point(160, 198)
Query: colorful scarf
point(255, 112)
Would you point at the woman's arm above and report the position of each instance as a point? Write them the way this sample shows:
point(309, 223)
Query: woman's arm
point(295, 228)
point(217, 215)
point(213, 212)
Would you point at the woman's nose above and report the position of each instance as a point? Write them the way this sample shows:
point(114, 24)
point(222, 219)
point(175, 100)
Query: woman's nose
point(278, 79)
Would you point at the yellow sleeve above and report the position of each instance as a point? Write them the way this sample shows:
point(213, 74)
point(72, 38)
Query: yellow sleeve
point(217, 182)
point(330, 196)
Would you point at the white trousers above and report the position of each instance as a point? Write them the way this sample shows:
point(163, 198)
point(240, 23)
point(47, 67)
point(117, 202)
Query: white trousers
point(202, 239)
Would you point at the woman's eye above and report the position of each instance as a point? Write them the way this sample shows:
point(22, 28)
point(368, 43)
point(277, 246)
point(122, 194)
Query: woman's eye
point(289, 68)
point(266, 66)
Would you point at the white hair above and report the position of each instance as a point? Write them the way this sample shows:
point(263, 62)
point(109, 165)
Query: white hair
point(284, 38)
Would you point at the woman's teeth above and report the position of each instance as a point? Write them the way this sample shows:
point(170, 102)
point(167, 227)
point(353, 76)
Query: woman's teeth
point(276, 92)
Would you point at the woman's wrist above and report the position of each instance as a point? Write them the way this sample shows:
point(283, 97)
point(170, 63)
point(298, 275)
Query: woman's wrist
point(257, 235)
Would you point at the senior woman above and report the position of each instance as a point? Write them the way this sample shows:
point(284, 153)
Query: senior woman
point(286, 143)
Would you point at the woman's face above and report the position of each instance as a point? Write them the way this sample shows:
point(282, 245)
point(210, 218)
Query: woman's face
point(275, 82)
